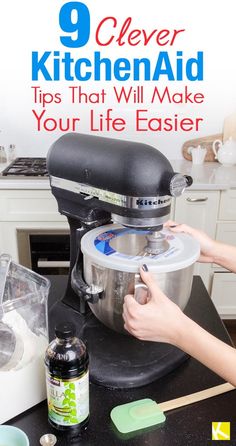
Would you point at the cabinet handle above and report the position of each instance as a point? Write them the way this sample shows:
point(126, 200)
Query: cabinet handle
point(196, 200)
point(52, 264)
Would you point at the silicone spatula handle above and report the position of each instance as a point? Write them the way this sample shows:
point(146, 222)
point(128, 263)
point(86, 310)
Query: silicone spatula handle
point(195, 397)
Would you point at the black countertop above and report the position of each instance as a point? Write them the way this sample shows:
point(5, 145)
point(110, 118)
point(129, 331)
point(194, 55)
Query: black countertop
point(185, 426)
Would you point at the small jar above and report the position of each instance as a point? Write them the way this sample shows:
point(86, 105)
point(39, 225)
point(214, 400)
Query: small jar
point(11, 152)
point(3, 156)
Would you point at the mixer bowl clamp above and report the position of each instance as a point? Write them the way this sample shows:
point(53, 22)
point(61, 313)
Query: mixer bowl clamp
point(89, 293)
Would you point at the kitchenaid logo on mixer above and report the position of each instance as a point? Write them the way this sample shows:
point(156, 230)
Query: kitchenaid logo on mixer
point(76, 63)
point(142, 202)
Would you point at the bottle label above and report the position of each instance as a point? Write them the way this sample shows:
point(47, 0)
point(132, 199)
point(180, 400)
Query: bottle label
point(68, 400)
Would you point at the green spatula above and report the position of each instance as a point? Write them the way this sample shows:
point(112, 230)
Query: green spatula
point(145, 413)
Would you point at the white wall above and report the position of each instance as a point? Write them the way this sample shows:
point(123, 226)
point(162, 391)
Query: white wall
point(29, 25)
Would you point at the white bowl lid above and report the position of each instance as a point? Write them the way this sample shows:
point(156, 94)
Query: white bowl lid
point(182, 252)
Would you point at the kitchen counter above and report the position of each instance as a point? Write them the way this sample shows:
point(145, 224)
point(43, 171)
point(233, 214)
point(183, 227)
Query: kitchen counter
point(207, 176)
point(21, 182)
point(185, 426)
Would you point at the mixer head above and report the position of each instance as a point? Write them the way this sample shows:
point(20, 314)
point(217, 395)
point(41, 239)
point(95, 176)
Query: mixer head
point(94, 178)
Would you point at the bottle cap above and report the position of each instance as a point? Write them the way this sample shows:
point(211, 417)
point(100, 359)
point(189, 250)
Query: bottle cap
point(65, 330)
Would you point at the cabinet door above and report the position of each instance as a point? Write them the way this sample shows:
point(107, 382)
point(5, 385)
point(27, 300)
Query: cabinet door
point(199, 209)
point(224, 294)
point(29, 205)
point(226, 233)
point(228, 205)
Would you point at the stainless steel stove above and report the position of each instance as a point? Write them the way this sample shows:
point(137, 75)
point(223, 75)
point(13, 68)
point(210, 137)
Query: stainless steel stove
point(30, 167)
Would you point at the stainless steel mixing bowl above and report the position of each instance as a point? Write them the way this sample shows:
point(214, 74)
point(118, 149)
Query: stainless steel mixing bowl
point(115, 273)
point(116, 284)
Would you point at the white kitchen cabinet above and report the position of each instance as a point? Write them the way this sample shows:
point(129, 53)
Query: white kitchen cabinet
point(226, 232)
point(224, 283)
point(227, 210)
point(200, 210)
point(29, 205)
point(224, 294)
point(27, 210)
point(215, 213)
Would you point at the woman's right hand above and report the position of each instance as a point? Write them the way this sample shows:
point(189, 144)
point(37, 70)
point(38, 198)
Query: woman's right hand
point(208, 246)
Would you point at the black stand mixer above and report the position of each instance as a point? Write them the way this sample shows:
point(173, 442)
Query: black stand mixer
point(96, 181)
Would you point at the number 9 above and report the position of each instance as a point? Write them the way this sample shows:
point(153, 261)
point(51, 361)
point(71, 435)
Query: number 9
point(81, 26)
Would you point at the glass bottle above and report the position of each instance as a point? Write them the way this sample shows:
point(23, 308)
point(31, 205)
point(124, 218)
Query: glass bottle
point(67, 378)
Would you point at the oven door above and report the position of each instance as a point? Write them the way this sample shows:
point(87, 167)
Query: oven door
point(45, 252)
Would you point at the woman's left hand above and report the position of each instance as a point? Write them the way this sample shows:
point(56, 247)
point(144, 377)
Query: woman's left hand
point(159, 319)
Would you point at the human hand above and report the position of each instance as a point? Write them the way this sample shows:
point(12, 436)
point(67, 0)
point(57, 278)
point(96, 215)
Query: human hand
point(208, 246)
point(159, 319)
